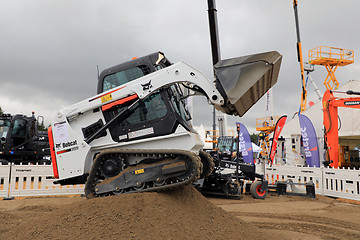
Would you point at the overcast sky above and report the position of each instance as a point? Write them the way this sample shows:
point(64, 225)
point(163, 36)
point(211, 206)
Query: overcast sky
point(50, 49)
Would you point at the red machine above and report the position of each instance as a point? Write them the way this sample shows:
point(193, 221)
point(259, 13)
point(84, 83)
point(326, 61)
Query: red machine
point(330, 109)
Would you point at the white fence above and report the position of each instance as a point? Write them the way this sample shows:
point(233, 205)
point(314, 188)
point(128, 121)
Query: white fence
point(342, 183)
point(4, 180)
point(32, 180)
point(37, 180)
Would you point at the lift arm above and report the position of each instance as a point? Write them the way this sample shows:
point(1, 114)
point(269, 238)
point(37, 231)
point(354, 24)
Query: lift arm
point(240, 83)
point(300, 59)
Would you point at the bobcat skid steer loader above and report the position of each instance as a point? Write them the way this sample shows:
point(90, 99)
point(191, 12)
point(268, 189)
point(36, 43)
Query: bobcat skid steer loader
point(135, 135)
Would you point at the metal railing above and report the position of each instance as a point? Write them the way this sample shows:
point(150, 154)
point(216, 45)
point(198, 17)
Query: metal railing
point(324, 55)
point(266, 123)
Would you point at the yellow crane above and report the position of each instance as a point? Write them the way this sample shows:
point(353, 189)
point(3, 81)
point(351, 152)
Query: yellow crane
point(300, 59)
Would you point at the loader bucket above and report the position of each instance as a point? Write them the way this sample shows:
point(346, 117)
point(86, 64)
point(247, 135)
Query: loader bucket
point(244, 80)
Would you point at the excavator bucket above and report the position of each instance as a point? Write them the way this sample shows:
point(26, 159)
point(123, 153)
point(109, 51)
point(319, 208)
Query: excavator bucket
point(244, 80)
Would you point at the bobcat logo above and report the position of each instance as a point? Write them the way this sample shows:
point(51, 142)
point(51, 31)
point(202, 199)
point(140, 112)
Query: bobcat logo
point(146, 86)
point(57, 145)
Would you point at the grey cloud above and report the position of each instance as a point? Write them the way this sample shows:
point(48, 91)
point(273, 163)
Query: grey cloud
point(49, 50)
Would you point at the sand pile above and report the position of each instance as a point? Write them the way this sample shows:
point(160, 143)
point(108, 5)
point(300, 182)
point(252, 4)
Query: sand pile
point(179, 214)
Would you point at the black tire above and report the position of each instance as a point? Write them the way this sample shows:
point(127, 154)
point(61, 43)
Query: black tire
point(256, 192)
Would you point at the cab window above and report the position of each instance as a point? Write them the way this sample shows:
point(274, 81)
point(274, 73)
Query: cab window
point(178, 101)
point(128, 75)
point(153, 107)
point(19, 129)
point(4, 128)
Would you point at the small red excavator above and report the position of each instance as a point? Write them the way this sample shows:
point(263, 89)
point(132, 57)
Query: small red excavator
point(331, 135)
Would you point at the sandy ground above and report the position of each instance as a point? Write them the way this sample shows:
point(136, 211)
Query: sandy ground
point(293, 217)
point(180, 214)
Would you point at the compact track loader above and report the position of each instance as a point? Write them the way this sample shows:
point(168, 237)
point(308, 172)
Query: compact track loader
point(136, 136)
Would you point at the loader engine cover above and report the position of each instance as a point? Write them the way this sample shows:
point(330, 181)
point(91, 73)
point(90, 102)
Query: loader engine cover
point(244, 80)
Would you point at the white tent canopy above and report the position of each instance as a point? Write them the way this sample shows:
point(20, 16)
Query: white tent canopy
point(256, 148)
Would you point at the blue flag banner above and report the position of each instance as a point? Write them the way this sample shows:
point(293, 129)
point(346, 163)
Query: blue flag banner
point(245, 145)
point(310, 143)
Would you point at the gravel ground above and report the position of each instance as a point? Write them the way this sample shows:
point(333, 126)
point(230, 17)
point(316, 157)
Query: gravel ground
point(179, 214)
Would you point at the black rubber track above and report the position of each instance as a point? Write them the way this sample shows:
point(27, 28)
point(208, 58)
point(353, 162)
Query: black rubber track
point(93, 177)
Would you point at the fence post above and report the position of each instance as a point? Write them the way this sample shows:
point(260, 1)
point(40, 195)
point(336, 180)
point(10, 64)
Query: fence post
point(8, 197)
point(322, 181)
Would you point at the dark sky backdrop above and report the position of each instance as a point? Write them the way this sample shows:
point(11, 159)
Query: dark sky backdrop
point(49, 50)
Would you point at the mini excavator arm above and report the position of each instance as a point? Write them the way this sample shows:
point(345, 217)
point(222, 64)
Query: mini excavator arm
point(330, 109)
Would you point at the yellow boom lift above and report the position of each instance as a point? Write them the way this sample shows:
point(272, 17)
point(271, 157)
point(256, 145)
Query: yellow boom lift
point(331, 58)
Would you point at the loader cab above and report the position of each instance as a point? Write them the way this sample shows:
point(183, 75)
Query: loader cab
point(15, 132)
point(226, 148)
point(12, 130)
point(131, 70)
point(20, 139)
point(19, 131)
point(159, 114)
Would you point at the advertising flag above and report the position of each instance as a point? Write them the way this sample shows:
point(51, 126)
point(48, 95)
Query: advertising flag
point(309, 140)
point(245, 146)
point(278, 127)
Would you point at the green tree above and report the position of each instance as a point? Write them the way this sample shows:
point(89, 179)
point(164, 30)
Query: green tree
point(1, 111)
point(254, 137)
